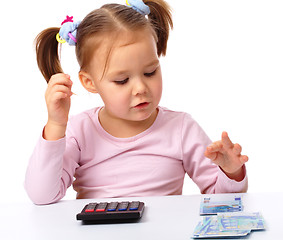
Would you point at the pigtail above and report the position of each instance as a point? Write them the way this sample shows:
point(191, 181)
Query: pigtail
point(47, 55)
point(161, 20)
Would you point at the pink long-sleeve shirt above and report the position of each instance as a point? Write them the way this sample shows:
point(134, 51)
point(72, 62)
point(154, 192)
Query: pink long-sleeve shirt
point(99, 165)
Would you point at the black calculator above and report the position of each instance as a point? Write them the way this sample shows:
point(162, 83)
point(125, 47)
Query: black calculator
point(111, 212)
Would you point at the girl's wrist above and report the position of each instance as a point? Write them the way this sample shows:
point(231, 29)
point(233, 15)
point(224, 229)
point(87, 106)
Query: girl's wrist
point(53, 131)
point(238, 176)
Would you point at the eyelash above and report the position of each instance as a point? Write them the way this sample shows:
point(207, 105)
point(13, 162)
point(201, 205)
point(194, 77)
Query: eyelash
point(122, 82)
point(127, 79)
point(150, 74)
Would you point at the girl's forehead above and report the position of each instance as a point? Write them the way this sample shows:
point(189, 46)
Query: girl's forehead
point(122, 41)
point(126, 38)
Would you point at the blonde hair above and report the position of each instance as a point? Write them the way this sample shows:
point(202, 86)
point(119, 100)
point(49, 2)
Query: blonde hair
point(109, 20)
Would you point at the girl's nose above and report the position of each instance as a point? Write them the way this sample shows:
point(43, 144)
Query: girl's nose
point(139, 87)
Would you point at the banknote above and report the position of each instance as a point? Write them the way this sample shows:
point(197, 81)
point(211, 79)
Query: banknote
point(208, 227)
point(241, 221)
point(214, 205)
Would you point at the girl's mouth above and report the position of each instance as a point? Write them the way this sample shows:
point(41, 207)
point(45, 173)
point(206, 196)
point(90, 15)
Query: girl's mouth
point(142, 105)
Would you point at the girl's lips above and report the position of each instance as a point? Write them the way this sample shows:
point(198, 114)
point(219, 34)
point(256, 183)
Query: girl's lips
point(142, 105)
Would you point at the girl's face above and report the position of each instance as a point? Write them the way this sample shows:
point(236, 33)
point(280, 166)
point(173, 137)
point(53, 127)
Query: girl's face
point(131, 85)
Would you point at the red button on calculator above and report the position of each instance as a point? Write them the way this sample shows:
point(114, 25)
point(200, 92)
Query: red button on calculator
point(101, 207)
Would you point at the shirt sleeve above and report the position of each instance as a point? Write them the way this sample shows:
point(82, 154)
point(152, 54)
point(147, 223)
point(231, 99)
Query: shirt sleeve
point(208, 176)
point(51, 169)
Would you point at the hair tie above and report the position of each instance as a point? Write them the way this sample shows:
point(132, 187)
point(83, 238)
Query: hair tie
point(68, 31)
point(139, 6)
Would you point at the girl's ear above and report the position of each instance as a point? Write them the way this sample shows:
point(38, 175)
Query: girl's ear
point(87, 82)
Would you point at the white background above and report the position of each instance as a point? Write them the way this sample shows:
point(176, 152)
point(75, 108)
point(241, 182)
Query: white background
point(224, 67)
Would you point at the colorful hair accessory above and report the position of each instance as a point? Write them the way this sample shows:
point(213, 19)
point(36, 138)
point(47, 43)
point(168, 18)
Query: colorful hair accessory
point(68, 31)
point(59, 39)
point(68, 19)
point(139, 6)
point(72, 37)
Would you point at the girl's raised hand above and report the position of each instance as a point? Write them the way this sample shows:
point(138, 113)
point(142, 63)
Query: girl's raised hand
point(58, 100)
point(228, 157)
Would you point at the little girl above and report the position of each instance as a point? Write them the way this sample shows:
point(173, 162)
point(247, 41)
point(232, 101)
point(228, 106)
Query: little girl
point(131, 146)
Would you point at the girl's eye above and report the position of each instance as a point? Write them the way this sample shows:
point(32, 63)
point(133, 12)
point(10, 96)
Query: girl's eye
point(150, 74)
point(122, 82)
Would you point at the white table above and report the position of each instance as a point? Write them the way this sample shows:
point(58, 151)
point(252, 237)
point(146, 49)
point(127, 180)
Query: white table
point(171, 217)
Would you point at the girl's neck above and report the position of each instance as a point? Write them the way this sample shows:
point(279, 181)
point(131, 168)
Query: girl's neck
point(121, 128)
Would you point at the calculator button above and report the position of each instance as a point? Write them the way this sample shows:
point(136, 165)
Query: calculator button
point(89, 210)
point(90, 207)
point(101, 207)
point(112, 206)
point(134, 206)
point(123, 206)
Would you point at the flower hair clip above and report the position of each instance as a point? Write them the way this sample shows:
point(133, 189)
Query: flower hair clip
point(68, 19)
point(68, 31)
point(139, 6)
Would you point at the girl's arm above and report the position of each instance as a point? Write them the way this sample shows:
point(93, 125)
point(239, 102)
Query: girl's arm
point(48, 175)
point(209, 177)
point(51, 169)
point(44, 172)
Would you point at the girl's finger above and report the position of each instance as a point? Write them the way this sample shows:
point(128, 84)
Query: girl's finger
point(58, 88)
point(60, 95)
point(61, 88)
point(211, 155)
point(244, 159)
point(226, 140)
point(237, 149)
point(61, 79)
point(215, 147)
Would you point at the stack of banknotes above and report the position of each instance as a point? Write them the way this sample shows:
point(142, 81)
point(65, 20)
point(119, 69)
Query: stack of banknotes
point(226, 218)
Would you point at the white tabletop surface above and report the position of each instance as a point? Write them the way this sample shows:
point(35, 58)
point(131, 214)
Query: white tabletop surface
point(170, 217)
